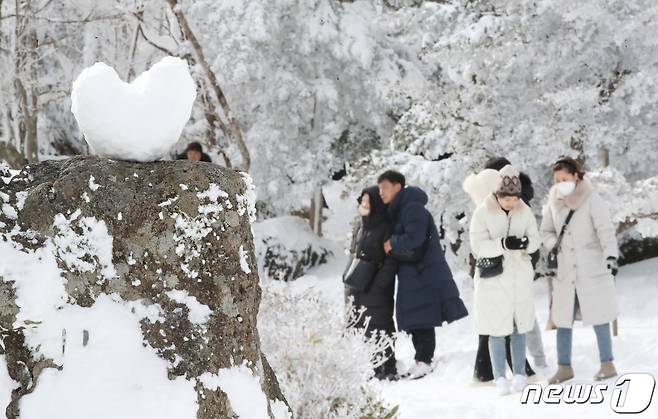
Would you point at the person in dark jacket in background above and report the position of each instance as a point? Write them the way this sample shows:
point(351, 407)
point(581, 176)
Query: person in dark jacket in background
point(427, 295)
point(194, 152)
point(371, 230)
point(483, 371)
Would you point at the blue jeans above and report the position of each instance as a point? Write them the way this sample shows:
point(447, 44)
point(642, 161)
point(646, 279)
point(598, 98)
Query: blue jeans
point(603, 338)
point(498, 354)
point(565, 337)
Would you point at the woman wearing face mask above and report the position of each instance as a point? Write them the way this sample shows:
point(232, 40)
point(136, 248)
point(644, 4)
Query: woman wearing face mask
point(371, 230)
point(586, 264)
point(504, 229)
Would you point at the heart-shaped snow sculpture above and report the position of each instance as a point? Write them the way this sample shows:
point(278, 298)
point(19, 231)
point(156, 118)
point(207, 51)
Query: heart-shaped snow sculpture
point(138, 121)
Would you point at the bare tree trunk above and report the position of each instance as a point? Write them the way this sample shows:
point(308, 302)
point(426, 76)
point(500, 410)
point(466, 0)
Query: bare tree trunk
point(214, 83)
point(213, 121)
point(26, 57)
point(28, 102)
point(133, 48)
point(316, 211)
point(605, 156)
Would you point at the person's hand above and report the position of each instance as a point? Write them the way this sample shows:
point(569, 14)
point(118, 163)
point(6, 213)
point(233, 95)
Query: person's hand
point(613, 266)
point(515, 243)
point(387, 246)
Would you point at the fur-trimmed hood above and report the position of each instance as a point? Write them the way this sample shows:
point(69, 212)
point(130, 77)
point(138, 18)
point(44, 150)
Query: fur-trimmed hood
point(480, 186)
point(584, 190)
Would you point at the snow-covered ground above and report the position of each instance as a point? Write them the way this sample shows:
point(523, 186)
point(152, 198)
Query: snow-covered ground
point(450, 392)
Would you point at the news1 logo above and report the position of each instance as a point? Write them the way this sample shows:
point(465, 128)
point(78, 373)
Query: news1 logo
point(632, 393)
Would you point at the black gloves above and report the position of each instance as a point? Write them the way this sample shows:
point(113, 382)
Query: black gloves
point(612, 265)
point(515, 243)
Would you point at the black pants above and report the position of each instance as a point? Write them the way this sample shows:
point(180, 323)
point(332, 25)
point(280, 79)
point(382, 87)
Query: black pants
point(483, 371)
point(424, 341)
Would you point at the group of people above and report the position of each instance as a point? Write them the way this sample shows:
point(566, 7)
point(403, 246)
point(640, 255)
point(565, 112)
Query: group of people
point(396, 237)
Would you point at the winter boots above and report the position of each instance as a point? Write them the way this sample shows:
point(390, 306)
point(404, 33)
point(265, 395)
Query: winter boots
point(607, 371)
point(564, 373)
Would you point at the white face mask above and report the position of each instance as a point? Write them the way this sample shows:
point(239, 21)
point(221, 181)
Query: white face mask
point(364, 211)
point(566, 188)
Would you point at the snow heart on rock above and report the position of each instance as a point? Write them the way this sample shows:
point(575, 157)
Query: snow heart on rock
point(138, 121)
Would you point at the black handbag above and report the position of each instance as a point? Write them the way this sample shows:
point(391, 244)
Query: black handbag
point(360, 274)
point(551, 260)
point(490, 267)
point(414, 255)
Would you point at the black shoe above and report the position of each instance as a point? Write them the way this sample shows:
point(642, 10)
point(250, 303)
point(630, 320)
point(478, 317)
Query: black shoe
point(387, 376)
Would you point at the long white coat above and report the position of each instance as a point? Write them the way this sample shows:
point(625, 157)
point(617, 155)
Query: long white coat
point(588, 241)
point(502, 300)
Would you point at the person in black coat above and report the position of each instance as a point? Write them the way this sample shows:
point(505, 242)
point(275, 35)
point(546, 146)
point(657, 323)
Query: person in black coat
point(371, 230)
point(482, 371)
point(427, 295)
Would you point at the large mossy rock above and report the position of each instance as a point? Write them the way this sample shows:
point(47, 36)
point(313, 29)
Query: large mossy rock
point(169, 242)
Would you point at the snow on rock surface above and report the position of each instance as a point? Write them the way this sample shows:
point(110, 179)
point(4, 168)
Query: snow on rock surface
point(139, 121)
point(100, 316)
point(244, 393)
point(100, 377)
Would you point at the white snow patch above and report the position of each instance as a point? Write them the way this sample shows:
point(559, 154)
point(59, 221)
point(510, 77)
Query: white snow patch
point(92, 184)
point(20, 199)
point(244, 263)
point(247, 202)
point(94, 240)
point(647, 227)
point(6, 383)
point(280, 410)
point(152, 312)
point(99, 380)
point(168, 202)
point(198, 313)
point(39, 285)
point(243, 390)
point(213, 194)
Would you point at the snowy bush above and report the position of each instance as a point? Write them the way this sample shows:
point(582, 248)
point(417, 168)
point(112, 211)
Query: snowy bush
point(323, 367)
point(286, 248)
point(634, 210)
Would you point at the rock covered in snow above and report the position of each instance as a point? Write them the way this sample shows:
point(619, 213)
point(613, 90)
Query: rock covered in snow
point(137, 121)
point(131, 285)
point(286, 248)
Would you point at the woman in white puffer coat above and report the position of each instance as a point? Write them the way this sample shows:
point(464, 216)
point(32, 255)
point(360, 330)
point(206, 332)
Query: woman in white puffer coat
point(503, 225)
point(587, 263)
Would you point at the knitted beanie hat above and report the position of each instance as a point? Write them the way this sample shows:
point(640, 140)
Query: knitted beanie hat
point(510, 184)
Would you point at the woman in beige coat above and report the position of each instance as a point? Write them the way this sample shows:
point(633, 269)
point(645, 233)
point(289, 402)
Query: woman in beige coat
point(587, 263)
point(503, 225)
